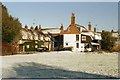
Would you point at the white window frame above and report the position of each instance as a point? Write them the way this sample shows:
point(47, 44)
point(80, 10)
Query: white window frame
point(28, 46)
point(36, 46)
point(36, 42)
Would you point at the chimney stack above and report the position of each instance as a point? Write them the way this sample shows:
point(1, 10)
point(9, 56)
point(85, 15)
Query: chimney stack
point(94, 29)
point(89, 26)
point(26, 27)
point(31, 28)
point(61, 28)
point(73, 19)
point(39, 28)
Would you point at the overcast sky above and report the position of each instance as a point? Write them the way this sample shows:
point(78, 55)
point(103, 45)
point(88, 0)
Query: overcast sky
point(102, 15)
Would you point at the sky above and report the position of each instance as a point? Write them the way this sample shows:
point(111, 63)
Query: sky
point(102, 15)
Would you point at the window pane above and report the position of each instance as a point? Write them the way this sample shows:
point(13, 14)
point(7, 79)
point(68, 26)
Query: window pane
point(83, 38)
point(66, 44)
point(77, 37)
point(77, 45)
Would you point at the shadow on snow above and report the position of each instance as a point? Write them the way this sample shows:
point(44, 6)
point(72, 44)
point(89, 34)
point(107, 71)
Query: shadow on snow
point(36, 70)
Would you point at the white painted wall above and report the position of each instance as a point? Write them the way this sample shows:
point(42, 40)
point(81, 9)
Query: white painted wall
point(35, 35)
point(71, 40)
point(24, 34)
point(30, 35)
point(82, 45)
point(116, 35)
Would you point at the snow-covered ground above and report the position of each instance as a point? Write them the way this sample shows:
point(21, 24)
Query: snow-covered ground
point(64, 64)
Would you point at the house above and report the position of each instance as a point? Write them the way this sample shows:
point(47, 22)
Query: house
point(56, 38)
point(72, 36)
point(115, 35)
point(93, 39)
point(46, 38)
point(79, 38)
point(32, 39)
point(76, 37)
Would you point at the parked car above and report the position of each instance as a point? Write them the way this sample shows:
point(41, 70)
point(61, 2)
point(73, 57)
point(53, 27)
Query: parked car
point(42, 49)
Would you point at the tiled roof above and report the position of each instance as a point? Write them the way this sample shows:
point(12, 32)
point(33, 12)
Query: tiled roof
point(72, 29)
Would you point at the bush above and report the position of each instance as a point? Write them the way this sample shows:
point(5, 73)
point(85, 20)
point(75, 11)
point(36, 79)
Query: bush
point(107, 41)
point(31, 45)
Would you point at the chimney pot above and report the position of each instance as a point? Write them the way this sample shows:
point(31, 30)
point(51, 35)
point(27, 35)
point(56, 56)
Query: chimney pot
point(31, 28)
point(94, 29)
point(26, 27)
point(61, 27)
point(39, 28)
point(89, 26)
point(73, 19)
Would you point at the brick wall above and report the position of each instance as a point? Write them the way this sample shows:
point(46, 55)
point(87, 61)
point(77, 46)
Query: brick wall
point(9, 49)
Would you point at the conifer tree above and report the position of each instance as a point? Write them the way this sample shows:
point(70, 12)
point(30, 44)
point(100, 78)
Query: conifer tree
point(10, 27)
